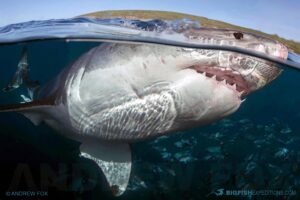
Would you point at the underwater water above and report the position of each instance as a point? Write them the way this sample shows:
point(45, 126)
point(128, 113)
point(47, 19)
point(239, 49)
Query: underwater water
point(255, 149)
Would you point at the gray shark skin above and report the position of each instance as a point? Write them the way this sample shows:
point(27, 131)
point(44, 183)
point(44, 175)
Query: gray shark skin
point(117, 93)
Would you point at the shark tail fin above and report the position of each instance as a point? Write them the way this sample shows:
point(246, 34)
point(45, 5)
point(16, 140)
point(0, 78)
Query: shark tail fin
point(21, 77)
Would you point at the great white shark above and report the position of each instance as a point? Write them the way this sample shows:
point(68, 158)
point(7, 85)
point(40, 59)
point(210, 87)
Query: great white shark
point(119, 93)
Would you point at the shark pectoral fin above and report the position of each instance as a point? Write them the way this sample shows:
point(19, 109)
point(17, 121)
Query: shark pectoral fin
point(34, 117)
point(114, 159)
point(34, 110)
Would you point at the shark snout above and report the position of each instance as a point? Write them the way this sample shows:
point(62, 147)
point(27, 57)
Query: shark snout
point(264, 71)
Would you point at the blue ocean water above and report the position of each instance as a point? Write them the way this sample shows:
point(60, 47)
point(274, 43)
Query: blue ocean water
point(255, 149)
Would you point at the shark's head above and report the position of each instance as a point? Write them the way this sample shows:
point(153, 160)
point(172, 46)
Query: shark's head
point(212, 84)
point(248, 73)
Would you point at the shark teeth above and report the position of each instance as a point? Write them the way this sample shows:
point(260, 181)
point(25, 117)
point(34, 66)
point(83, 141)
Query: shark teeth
point(226, 78)
point(234, 86)
point(241, 93)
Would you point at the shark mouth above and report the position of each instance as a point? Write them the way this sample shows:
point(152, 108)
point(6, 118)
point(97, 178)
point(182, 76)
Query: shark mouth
point(232, 79)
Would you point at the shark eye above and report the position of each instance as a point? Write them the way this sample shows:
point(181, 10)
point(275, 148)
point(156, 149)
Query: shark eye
point(238, 35)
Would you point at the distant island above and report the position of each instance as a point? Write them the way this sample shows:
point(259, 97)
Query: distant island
point(205, 22)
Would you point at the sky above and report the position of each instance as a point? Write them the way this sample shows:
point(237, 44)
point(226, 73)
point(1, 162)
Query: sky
point(280, 17)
